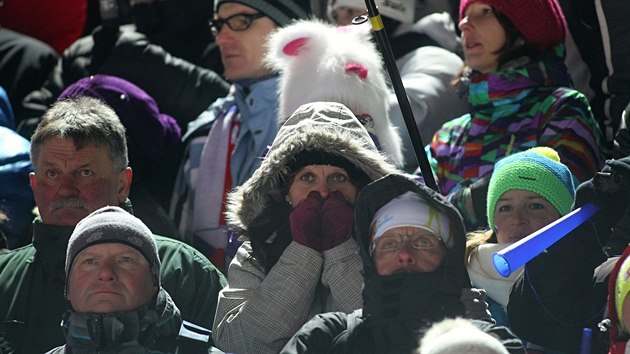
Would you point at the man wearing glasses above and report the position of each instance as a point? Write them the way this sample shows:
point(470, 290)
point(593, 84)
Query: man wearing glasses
point(226, 142)
point(412, 243)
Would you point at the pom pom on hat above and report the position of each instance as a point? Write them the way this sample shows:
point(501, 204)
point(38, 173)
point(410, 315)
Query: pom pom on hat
point(112, 224)
point(399, 10)
point(410, 210)
point(538, 170)
point(541, 22)
point(281, 12)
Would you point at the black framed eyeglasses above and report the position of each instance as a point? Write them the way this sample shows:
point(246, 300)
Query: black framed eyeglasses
point(237, 22)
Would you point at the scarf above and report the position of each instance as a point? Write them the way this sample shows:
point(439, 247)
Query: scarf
point(213, 183)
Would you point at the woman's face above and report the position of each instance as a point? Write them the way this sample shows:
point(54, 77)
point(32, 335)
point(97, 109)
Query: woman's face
point(324, 179)
point(482, 37)
point(520, 212)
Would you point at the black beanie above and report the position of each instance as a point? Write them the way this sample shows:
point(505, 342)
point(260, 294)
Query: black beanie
point(281, 12)
point(319, 157)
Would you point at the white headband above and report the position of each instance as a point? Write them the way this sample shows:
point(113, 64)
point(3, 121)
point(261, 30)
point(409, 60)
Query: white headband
point(410, 210)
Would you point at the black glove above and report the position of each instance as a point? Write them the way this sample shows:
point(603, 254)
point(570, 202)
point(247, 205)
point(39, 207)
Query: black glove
point(610, 190)
point(475, 196)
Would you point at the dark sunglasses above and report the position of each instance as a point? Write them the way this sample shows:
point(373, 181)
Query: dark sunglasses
point(237, 22)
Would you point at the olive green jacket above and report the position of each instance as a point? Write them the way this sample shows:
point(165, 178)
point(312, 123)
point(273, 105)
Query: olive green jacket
point(32, 278)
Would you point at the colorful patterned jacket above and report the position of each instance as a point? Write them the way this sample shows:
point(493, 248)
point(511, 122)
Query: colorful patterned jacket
point(512, 110)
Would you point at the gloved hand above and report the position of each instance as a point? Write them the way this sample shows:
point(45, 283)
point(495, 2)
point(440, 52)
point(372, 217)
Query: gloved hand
point(471, 201)
point(337, 220)
point(476, 307)
point(610, 190)
point(305, 222)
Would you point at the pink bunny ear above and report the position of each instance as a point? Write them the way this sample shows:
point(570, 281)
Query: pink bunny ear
point(358, 69)
point(293, 48)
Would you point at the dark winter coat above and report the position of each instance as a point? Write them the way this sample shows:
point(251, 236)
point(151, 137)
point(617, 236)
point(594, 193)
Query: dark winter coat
point(32, 298)
point(181, 89)
point(397, 309)
point(153, 328)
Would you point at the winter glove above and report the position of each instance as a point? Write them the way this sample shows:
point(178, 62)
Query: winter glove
point(610, 190)
point(471, 201)
point(476, 307)
point(337, 220)
point(305, 222)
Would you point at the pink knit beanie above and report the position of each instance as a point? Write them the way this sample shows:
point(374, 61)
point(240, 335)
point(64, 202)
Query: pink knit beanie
point(541, 22)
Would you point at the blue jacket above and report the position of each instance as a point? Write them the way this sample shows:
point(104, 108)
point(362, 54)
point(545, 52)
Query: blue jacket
point(257, 107)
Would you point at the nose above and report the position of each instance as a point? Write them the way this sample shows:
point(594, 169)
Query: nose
point(405, 258)
point(68, 185)
point(464, 24)
point(520, 217)
point(224, 35)
point(323, 189)
point(106, 271)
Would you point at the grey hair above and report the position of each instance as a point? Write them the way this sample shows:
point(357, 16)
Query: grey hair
point(87, 121)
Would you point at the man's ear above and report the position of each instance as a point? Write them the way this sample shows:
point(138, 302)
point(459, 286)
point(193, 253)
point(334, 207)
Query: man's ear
point(124, 184)
point(33, 180)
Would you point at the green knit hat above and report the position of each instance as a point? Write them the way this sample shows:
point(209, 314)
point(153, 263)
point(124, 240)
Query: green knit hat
point(538, 170)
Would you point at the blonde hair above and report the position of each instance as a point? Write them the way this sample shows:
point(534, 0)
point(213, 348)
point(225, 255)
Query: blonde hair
point(476, 239)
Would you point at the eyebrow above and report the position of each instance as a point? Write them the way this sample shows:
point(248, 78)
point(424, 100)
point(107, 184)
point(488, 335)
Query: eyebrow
point(528, 198)
point(54, 164)
point(98, 255)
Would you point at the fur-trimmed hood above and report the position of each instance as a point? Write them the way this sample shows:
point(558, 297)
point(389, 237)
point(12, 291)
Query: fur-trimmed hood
point(327, 126)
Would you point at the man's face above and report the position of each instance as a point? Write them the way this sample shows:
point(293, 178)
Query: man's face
point(407, 249)
point(69, 184)
point(110, 277)
point(242, 52)
point(344, 15)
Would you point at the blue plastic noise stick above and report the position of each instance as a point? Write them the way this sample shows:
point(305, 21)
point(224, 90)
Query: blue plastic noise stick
point(523, 250)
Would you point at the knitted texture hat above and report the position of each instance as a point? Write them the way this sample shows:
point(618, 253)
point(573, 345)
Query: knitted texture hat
point(399, 10)
point(148, 130)
point(112, 224)
point(538, 170)
point(281, 12)
point(541, 22)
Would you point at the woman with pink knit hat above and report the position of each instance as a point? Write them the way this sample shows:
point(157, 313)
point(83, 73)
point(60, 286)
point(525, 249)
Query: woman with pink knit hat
point(520, 95)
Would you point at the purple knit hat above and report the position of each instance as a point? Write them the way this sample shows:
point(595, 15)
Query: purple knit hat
point(541, 22)
point(147, 129)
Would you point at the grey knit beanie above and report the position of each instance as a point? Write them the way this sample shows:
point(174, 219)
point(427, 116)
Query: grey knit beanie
point(281, 12)
point(112, 224)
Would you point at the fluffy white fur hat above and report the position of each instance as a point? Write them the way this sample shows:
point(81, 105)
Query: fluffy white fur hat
point(459, 336)
point(322, 62)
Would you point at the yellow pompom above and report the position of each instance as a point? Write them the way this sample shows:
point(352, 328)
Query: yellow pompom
point(547, 152)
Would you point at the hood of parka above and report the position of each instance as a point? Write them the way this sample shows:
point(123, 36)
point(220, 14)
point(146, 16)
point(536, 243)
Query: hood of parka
point(326, 126)
point(405, 304)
